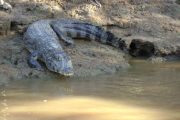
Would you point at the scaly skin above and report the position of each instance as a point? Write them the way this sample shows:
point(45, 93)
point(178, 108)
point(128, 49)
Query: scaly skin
point(43, 44)
point(41, 39)
point(68, 28)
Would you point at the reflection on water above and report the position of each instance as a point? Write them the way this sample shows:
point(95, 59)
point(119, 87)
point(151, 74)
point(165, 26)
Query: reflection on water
point(79, 108)
point(144, 92)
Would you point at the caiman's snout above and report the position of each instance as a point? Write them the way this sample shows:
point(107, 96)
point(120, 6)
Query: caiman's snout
point(68, 72)
point(64, 68)
point(61, 63)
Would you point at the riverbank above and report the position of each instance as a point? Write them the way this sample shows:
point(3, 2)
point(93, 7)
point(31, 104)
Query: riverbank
point(148, 27)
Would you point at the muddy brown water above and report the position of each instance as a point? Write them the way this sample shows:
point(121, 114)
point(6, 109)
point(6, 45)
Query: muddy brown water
point(145, 91)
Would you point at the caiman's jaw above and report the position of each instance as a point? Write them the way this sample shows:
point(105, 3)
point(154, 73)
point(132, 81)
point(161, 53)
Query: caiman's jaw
point(65, 69)
point(67, 72)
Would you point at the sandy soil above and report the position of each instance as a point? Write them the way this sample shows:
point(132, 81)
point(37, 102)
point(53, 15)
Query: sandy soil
point(156, 21)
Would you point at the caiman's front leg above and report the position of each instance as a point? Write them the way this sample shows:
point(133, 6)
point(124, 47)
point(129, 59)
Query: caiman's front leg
point(32, 61)
point(5, 5)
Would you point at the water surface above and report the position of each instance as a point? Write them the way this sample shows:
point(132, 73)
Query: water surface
point(145, 91)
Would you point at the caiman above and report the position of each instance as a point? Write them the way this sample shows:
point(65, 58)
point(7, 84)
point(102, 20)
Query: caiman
point(42, 41)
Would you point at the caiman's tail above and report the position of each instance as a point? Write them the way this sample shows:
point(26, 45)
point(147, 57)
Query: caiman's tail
point(77, 29)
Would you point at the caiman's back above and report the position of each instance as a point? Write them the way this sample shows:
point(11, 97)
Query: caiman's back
point(41, 37)
point(43, 44)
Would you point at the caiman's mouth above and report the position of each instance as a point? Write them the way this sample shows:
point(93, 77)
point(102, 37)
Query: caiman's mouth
point(67, 72)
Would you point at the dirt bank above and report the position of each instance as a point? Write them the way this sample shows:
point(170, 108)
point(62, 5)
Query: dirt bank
point(155, 21)
point(89, 59)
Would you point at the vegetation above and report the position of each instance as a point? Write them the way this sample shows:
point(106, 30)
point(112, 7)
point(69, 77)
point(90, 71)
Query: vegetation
point(178, 1)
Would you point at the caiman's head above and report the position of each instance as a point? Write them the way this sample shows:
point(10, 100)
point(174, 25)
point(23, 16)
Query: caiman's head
point(59, 62)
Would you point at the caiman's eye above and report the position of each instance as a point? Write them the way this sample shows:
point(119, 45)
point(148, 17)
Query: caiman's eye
point(33, 55)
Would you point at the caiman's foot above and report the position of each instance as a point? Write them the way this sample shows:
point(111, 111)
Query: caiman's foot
point(33, 63)
point(96, 2)
point(5, 5)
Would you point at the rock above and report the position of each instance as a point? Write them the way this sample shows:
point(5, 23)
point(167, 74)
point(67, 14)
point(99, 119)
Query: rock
point(149, 46)
point(5, 6)
point(19, 24)
point(140, 48)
